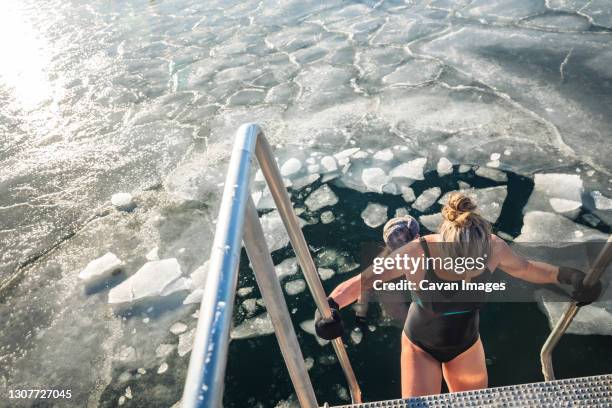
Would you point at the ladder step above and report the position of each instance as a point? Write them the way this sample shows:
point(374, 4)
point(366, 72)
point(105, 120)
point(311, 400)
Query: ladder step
point(589, 392)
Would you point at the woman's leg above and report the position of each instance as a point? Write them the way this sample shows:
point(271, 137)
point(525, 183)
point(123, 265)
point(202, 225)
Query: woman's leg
point(467, 371)
point(421, 373)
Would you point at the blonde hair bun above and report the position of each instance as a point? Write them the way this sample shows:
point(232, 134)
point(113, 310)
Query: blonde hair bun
point(459, 210)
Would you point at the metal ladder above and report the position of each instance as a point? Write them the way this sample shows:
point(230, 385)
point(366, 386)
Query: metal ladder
point(238, 221)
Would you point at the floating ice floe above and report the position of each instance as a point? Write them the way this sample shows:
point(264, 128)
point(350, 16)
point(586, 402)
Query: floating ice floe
point(413, 170)
point(401, 212)
point(489, 200)
point(374, 214)
point(185, 343)
point(123, 201)
point(291, 167)
point(595, 318)
point(164, 350)
point(286, 268)
point(384, 155)
point(246, 291)
point(444, 167)
point(151, 280)
point(257, 326)
point(463, 185)
point(181, 284)
point(327, 217)
point(464, 168)
point(374, 179)
point(274, 230)
point(309, 362)
point(326, 273)
point(194, 297)
point(356, 336)
point(328, 164)
point(178, 328)
point(198, 276)
point(569, 208)
point(309, 327)
point(162, 368)
point(153, 255)
point(295, 287)
point(601, 201)
point(302, 182)
point(492, 174)
point(101, 269)
point(249, 306)
point(546, 227)
point(321, 197)
point(558, 186)
point(346, 154)
point(431, 222)
point(408, 194)
point(427, 198)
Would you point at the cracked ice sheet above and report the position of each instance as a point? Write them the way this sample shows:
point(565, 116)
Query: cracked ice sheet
point(526, 66)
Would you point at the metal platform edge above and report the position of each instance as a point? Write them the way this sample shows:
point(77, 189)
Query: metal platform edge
point(591, 392)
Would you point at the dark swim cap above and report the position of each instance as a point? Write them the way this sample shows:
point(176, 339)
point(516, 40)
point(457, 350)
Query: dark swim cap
point(399, 231)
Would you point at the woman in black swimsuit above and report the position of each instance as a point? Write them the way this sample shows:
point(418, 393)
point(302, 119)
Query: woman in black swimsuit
point(440, 339)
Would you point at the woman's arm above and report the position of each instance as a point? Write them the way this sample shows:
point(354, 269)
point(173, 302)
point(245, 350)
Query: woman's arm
point(350, 290)
point(523, 268)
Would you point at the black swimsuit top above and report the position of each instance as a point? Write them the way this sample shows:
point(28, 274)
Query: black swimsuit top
point(450, 301)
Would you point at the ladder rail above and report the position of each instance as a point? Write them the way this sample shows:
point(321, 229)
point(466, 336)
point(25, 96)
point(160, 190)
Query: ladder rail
point(599, 267)
point(206, 372)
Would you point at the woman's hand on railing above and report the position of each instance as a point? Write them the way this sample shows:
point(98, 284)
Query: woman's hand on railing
point(329, 329)
point(582, 294)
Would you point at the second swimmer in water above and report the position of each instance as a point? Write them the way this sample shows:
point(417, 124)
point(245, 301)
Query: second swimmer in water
point(441, 338)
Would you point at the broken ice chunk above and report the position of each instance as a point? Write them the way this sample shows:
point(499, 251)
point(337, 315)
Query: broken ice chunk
point(123, 201)
point(356, 336)
point(178, 328)
point(328, 164)
point(178, 285)
point(326, 273)
point(164, 350)
point(374, 179)
point(568, 186)
point(444, 167)
point(321, 197)
point(257, 326)
point(149, 281)
point(291, 167)
point(569, 208)
point(287, 267)
point(492, 174)
point(384, 155)
point(162, 368)
point(464, 168)
point(374, 215)
point(590, 319)
point(152, 255)
point(185, 343)
point(345, 154)
point(431, 222)
point(308, 327)
point(295, 287)
point(246, 291)
point(274, 230)
point(427, 198)
point(302, 182)
point(194, 297)
point(412, 170)
point(550, 228)
point(101, 268)
point(401, 212)
point(198, 277)
point(249, 306)
point(463, 185)
point(408, 194)
point(327, 217)
point(601, 201)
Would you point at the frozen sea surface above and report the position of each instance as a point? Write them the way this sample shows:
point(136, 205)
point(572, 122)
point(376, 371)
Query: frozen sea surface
point(143, 98)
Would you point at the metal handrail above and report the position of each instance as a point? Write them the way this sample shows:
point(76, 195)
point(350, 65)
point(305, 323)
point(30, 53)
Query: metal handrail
point(601, 263)
point(204, 383)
